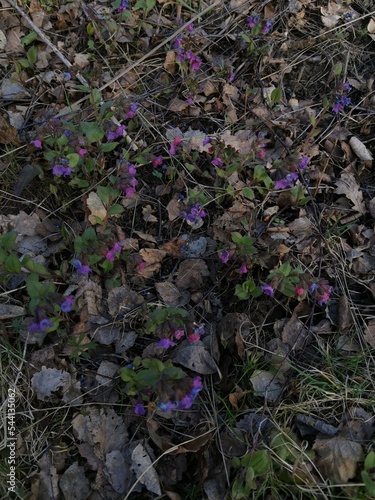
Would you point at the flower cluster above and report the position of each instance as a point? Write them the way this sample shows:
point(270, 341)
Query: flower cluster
point(123, 6)
point(194, 214)
point(40, 326)
point(342, 100)
point(253, 22)
point(186, 402)
point(81, 268)
point(185, 55)
point(321, 291)
point(127, 179)
point(68, 303)
point(132, 110)
point(194, 336)
point(37, 143)
point(62, 169)
point(112, 135)
point(110, 254)
point(287, 181)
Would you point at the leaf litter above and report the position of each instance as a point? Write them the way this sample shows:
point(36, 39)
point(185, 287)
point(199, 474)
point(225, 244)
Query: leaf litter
point(228, 145)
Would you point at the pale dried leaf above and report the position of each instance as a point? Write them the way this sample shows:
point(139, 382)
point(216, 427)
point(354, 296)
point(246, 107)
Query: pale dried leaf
point(295, 333)
point(348, 186)
point(12, 89)
point(338, 458)
point(74, 484)
point(173, 209)
point(191, 274)
point(122, 299)
point(170, 62)
point(96, 207)
point(144, 470)
point(48, 478)
point(266, 384)
point(145, 236)
point(345, 313)
point(371, 28)
point(178, 105)
point(195, 357)
point(360, 149)
point(117, 471)
point(81, 60)
point(106, 373)
point(8, 311)
point(169, 293)
point(47, 381)
point(147, 213)
point(3, 40)
point(369, 335)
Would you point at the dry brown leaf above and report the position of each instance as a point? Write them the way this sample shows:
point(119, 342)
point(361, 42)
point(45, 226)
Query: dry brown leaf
point(73, 483)
point(170, 62)
point(266, 384)
point(191, 274)
point(369, 335)
point(345, 313)
point(348, 186)
point(338, 458)
point(295, 333)
point(361, 151)
point(147, 213)
point(235, 397)
point(9, 311)
point(145, 236)
point(144, 470)
point(195, 357)
point(371, 28)
point(96, 207)
point(169, 293)
point(173, 209)
point(8, 134)
point(177, 105)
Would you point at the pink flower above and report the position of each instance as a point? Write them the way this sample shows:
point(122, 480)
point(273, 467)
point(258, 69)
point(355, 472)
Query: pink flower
point(37, 143)
point(141, 266)
point(261, 154)
point(224, 256)
point(299, 290)
point(178, 334)
point(218, 162)
point(194, 337)
point(157, 162)
point(176, 141)
point(243, 269)
point(82, 152)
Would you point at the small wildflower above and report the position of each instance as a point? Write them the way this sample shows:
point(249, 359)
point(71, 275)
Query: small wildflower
point(346, 87)
point(176, 141)
point(299, 290)
point(267, 27)
point(197, 386)
point(123, 5)
point(313, 287)
point(268, 290)
point(82, 152)
point(141, 266)
point(261, 154)
point(303, 163)
point(340, 103)
point(68, 303)
point(139, 409)
point(165, 343)
point(157, 162)
point(67, 75)
point(195, 214)
point(206, 141)
point(61, 170)
point(218, 162)
point(178, 334)
point(45, 323)
point(224, 256)
point(321, 291)
point(132, 111)
point(185, 403)
point(37, 143)
point(243, 269)
point(193, 337)
point(190, 27)
point(81, 268)
point(110, 255)
point(252, 21)
point(287, 181)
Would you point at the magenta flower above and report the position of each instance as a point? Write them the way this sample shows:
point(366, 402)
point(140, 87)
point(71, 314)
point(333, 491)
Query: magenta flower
point(81, 268)
point(185, 403)
point(268, 290)
point(157, 162)
point(82, 152)
point(195, 214)
point(165, 343)
point(252, 21)
point(288, 181)
point(68, 303)
point(141, 266)
point(110, 255)
point(139, 409)
point(303, 163)
point(299, 290)
point(178, 334)
point(218, 162)
point(37, 143)
point(267, 27)
point(224, 256)
point(243, 269)
point(132, 111)
point(176, 141)
point(193, 337)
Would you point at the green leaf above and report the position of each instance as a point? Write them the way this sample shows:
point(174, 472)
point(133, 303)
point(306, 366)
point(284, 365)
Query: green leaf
point(249, 477)
point(104, 194)
point(12, 264)
point(84, 88)
point(248, 193)
point(236, 238)
point(153, 364)
point(260, 462)
point(92, 131)
point(147, 378)
point(127, 374)
point(26, 40)
point(337, 69)
point(116, 209)
point(241, 293)
point(370, 461)
point(3, 255)
point(34, 267)
point(32, 54)
point(108, 146)
point(8, 240)
point(276, 95)
point(369, 483)
point(73, 159)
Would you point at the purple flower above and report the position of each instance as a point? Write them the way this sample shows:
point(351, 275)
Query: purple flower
point(123, 5)
point(267, 27)
point(178, 41)
point(218, 162)
point(132, 111)
point(41, 326)
point(224, 256)
point(185, 403)
point(313, 287)
point(303, 163)
point(346, 87)
point(61, 170)
point(110, 255)
point(82, 152)
point(139, 409)
point(37, 143)
point(157, 162)
point(243, 269)
point(81, 268)
point(252, 21)
point(268, 290)
point(195, 214)
point(165, 343)
point(176, 141)
point(288, 181)
point(190, 27)
point(178, 334)
point(197, 386)
point(340, 103)
point(68, 303)
point(206, 141)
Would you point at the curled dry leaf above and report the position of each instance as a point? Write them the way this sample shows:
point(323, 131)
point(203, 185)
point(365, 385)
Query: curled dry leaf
point(338, 458)
point(74, 484)
point(361, 151)
point(96, 207)
point(348, 186)
point(144, 470)
point(195, 357)
point(47, 381)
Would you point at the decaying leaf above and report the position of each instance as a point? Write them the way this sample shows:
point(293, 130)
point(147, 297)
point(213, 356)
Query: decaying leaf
point(48, 477)
point(266, 384)
point(144, 470)
point(191, 274)
point(169, 293)
point(45, 382)
point(96, 207)
point(348, 186)
point(369, 334)
point(295, 333)
point(117, 471)
point(8, 311)
point(338, 458)
point(361, 150)
point(195, 357)
point(170, 61)
point(74, 484)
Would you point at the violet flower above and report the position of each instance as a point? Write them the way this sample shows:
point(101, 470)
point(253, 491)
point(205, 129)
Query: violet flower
point(81, 268)
point(268, 290)
point(287, 181)
point(139, 409)
point(68, 303)
point(37, 143)
point(165, 343)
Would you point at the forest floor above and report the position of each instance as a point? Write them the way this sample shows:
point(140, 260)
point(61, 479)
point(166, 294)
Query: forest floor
point(187, 249)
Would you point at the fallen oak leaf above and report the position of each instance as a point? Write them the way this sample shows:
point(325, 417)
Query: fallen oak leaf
point(348, 186)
